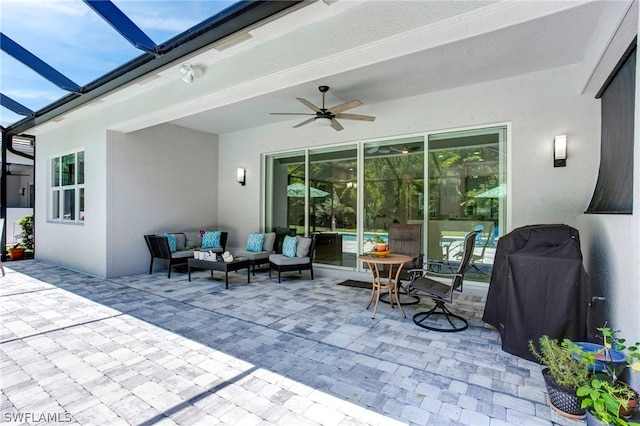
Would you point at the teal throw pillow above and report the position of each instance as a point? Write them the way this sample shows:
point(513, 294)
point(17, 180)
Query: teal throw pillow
point(211, 239)
point(173, 242)
point(289, 246)
point(254, 243)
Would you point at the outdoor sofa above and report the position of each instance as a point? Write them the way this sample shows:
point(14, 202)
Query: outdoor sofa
point(177, 247)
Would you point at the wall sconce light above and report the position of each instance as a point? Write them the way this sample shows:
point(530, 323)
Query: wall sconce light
point(560, 151)
point(241, 175)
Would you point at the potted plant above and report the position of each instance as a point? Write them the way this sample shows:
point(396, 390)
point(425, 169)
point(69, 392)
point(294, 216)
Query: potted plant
point(379, 243)
point(26, 225)
point(607, 403)
point(563, 374)
point(16, 252)
point(25, 239)
point(608, 400)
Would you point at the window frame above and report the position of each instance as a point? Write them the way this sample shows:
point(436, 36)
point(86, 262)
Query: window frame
point(57, 188)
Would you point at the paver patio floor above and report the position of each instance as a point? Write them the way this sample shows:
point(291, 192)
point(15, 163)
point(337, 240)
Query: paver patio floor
point(145, 350)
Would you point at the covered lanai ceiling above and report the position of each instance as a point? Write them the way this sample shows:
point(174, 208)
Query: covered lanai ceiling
point(375, 51)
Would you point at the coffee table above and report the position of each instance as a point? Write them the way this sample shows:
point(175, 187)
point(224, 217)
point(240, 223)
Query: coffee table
point(219, 265)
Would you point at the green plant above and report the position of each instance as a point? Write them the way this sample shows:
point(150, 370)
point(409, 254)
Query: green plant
point(566, 369)
point(605, 396)
point(376, 239)
point(606, 401)
point(631, 353)
point(26, 236)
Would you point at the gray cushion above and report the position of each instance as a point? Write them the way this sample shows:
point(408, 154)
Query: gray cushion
point(181, 241)
point(269, 241)
point(251, 255)
point(280, 259)
point(302, 249)
point(193, 239)
point(182, 254)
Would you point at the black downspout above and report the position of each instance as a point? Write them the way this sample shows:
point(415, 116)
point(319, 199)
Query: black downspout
point(3, 196)
point(7, 145)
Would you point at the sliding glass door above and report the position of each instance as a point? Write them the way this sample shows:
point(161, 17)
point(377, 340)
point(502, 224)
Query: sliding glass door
point(347, 195)
point(333, 185)
point(322, 202)
point(393, 185)
point(285, 200)
point(467, 191)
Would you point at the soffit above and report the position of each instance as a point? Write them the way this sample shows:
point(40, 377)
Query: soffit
point(533, 45)
point(374, 51)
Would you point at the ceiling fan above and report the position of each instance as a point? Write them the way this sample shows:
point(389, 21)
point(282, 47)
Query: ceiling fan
point(327, 116)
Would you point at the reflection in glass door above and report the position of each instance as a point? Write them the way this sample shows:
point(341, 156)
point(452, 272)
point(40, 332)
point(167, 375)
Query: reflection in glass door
point(333, 186)
point(467, 191)
point(285, 195)
point(393, 186)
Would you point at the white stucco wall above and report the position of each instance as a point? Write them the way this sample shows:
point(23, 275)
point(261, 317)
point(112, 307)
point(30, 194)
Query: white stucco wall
point(161, 179)
point(615, 255)
point(80, 247)
point(537, 106)
point(155, 180)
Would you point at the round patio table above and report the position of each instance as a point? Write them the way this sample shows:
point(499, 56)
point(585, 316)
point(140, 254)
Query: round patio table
point(391, 283)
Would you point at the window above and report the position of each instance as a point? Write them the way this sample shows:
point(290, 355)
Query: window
point(67, 187)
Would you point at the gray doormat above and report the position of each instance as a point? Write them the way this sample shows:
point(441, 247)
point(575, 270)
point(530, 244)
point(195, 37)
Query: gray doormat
point(354, 283)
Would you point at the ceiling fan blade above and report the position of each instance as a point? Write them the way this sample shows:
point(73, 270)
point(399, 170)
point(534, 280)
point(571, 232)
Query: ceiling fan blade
point(309, 105)
point(304, 122)
point(337, 126)
point(373, 150)
point(345, 106)
point(291, 113)
point(356, 117)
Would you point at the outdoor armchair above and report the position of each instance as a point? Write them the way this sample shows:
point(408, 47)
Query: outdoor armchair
point(406, 239)
point(301, 260)
point(258, 249)
point(442, 292)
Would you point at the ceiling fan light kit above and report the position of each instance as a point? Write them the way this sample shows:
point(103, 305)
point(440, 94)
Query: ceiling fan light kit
point(323, 121)
point(327, 116)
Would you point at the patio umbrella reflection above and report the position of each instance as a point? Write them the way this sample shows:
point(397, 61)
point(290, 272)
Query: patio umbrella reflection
point(498, 192)
point(297, 190)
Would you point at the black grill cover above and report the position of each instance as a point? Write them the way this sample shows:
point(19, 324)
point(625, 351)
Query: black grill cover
point(538, 286)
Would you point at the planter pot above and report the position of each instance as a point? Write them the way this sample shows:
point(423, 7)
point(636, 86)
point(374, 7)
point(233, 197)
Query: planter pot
point(615, 359)
point(562, 399)
point(626, 414)
point(16, 253)
point(381, 246)
point(592, 421)
point(631, 404)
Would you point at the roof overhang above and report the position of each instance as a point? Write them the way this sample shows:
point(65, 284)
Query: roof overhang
point(242, 15)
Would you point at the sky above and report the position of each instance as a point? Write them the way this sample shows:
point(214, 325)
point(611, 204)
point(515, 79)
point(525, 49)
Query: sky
point(77, 42)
